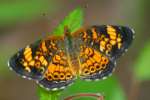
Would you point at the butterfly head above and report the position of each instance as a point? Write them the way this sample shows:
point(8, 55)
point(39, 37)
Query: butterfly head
point(67, 31)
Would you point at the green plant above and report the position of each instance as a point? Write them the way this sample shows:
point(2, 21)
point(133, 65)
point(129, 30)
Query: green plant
point(13, 12)
point(141, 71)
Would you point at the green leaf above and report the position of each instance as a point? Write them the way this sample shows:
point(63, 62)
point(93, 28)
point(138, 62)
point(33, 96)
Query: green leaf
point(73, 21)
point(109, 88)
point(142, 65)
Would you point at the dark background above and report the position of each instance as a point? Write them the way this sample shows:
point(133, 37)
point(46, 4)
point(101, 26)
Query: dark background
point(24, 21)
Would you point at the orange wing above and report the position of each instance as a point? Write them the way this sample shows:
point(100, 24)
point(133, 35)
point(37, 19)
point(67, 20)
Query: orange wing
point(45, 61)
point(99, 47)
point(93, 64)
point(110, 40)
point(31, 61)
point(59, 73)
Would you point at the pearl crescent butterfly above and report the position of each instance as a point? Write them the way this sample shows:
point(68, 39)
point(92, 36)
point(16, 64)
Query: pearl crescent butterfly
point(89, 53)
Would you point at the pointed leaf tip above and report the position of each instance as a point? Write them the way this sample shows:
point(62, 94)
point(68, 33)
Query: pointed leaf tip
point(73, 21)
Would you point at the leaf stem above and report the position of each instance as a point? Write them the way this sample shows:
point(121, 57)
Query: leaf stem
point(48, 95)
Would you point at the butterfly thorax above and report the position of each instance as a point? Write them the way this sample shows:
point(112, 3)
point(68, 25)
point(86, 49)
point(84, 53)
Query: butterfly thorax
point(71, 51)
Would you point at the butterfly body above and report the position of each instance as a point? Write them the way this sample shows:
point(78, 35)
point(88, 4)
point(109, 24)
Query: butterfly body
point(90, 53)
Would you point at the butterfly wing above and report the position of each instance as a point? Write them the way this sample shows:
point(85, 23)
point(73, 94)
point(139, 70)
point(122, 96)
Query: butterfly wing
point(111, 40)
point(44, 61)
point(101, 44)
point(94, 64)
point(30, 62)
point(59, 73)
point(119, 39)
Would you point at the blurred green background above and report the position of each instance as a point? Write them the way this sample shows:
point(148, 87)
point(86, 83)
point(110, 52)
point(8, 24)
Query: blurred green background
point(24, 21)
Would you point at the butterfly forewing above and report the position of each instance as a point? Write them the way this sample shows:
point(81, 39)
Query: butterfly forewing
point(110, 40)
point(30, 62)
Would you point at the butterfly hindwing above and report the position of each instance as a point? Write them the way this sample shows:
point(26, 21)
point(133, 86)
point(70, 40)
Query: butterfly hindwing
point(59, 73)
point(94, 65)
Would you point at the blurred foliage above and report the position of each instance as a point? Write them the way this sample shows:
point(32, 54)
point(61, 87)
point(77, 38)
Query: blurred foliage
point(141, 69)
point(74, 21)
point(24, 10)
point(5, 55)
point(109, 88)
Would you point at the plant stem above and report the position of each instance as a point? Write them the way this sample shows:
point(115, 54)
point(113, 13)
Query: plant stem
point(48, 95)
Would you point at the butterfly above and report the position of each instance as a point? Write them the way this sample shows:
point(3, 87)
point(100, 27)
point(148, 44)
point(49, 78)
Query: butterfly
point(89, 53)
